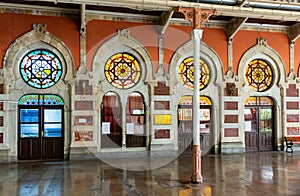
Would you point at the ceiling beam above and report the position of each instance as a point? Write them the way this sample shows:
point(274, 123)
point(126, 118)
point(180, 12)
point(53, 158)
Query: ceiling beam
point(294, 32)
point(165, 19)
point(171, 5)
point(242, 2)
point(234, 26)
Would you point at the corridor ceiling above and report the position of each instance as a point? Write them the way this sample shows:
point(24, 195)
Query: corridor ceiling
point(283, 14)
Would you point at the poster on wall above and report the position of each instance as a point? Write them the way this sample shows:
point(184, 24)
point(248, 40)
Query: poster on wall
point(105, 127)
point(130, 128)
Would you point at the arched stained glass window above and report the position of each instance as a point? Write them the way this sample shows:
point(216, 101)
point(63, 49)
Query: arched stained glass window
point(259, 75)
point(40, 68)
point(41, 99)
point(186, 73)
point(122, 70)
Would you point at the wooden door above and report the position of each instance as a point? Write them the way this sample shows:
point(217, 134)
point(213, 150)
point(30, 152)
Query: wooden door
point(259, 129)
point(185, 129)
point(266, 129)
point(251, 130)
point(40, 135)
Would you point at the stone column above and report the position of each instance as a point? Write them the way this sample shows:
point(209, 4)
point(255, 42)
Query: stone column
point(124, 124)
point(196, 156)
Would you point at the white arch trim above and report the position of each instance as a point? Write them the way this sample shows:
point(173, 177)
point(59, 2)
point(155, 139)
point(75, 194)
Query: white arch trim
point(262, 51)
point(36, 38)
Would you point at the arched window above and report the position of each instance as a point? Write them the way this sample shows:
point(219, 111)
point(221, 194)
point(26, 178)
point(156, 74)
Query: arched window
point(122, 70)
point(259, 75)
point(186, 73)
point(40, 68)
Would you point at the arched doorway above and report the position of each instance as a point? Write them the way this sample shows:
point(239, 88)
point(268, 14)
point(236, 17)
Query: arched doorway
point(135, 121)
point(41, 127)
point(185, 129)
point(259, 124)
point(111, 116)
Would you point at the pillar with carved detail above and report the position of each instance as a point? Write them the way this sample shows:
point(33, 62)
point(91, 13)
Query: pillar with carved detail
point(197, 176)
point(197, 17)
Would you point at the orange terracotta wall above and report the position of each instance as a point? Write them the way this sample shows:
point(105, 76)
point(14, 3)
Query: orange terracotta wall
point(99, 31)
point(297, 55)
point(244, 40)
point(13, 26)
point(215, 38)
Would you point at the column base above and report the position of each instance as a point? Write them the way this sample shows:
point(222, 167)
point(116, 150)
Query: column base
point(196, 161)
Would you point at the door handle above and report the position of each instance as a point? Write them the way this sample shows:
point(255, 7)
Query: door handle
point(42, 133)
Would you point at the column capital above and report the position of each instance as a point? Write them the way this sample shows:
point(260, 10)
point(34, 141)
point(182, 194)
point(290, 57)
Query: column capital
point(196, 16)
point(197, 34)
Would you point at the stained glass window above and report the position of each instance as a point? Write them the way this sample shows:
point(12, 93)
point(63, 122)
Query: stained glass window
point(40, 68)
point(259, 75)
point(122, 70)
point(186, 73)
point(39, 99)
point(259, 101)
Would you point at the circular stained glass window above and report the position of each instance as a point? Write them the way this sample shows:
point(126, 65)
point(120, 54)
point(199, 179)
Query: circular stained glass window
point(40, 68)
point(186, 73)
point(122, 70)
point(259, 75)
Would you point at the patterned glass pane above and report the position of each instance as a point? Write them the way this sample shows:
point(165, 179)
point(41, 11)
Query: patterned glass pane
point(52, 100)
point(29, 100)
point(40, 68)
point(122, 70)
point(259, 101)
point(259, 75)
point(188, 100)
point(41, 100)
point(186, 73)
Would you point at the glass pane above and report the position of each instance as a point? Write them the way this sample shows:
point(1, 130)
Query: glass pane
point(29, 130)
point(29, 115)
point(204, 120)
point(52, 130)
point(265, 115)
point(204, 114)
point(122, 70)
point(52, 115)
point(250, 119)
point(41, 68)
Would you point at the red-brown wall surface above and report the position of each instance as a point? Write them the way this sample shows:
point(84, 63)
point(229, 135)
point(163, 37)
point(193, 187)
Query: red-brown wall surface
point(99, 31)
point(244, 40)
point(66, 29)
point(13, 26)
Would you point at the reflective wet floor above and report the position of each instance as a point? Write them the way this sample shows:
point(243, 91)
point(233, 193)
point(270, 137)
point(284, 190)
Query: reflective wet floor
point(268, 173)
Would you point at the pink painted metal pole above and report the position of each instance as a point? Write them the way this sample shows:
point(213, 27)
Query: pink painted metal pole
point(196, 156)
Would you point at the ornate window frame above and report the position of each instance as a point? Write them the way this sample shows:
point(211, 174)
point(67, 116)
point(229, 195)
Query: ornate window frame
point(41, 68)
point(259, 75)
point(122, 70)
point(186, 70)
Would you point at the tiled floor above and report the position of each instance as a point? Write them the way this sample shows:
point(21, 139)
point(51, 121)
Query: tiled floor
point(253, 174)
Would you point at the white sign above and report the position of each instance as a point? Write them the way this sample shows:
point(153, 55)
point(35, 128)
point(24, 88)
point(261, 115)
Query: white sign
point(248, 125)
point(130, 128)
point(105, 127)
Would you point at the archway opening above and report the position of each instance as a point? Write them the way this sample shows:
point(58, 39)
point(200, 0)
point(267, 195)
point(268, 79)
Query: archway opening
point(111, 117)
point(135, 121)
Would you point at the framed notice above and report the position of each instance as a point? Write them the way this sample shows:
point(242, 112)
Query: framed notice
point(248, 125)
point(105, 127)
point(130, 128)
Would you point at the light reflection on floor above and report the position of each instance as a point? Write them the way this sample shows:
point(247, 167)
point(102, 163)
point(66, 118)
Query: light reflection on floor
point(271, 173)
